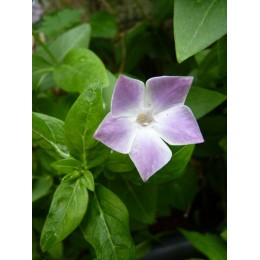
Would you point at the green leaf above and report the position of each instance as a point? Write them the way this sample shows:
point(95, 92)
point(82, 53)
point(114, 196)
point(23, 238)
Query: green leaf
point(106, 227)
point(81, 69)
point(201, 101)
point(82, 120)
point(41, 187)
point(224, 234)
point(69, 205)
point(88, 180)
point(103, 25)
point(118, 162)
point(209, 244)
point(40, 70)
point(176, 166)
point(57, 23)
point(98, 155)
point(222, 56)
point(197, 24)
point(67, 165)
point(48, 133)
point(108, 91)
point(78, 37)
point(140, 200)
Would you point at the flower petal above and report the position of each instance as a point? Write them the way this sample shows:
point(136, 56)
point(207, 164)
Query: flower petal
point(149, 153)
point(117, 133)
point(167, 91)
point(178, 126)
point(128, 97)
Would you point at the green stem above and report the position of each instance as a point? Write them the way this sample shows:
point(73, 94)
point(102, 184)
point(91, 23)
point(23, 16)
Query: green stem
point(44, 46)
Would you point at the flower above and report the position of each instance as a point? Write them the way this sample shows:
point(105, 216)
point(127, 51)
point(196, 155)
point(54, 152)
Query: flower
point(143, 117)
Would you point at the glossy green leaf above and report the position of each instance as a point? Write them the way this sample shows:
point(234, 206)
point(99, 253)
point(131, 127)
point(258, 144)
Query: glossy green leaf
point(67, 165)
point(140, 200)
point(106, 226)
point(103, 25)
point(88, 180)
point(40, 70)
point(69, 205)
point(78, 37)
point(57, 23)
point(118, 162)
point(201, 101)
point(48, 132)
point(81, 68)
point(209, 244)
point(82, 121)
point(197, 24)
point(41, 187)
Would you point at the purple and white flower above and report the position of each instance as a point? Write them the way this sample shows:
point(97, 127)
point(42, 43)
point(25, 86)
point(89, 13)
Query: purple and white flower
point(143, 117)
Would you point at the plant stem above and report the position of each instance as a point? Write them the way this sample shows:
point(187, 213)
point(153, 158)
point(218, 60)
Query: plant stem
point(44, 46)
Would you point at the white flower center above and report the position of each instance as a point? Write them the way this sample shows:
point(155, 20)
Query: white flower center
point(145, 118)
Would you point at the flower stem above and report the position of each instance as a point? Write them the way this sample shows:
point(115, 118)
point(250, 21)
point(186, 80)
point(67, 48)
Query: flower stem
point(44, 46)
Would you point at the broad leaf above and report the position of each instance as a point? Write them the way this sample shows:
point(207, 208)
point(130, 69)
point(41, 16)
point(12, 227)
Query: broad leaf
point(69, 205)
point(41, 187)
point(57, 23)
point(40, 71)
point(197, 24)
point(106, 227)
point(48, 132)
point(140, 200)
point(201, 101)
point(77, 37)
point(81, 69)
point(67, 165)
point(209, 244)
point(103, 25)
point(82, 120)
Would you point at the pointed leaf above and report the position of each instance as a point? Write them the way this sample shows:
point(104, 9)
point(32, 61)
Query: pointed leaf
point(81, 69)
point(67, 209)
point(67, 165)
point(82, 120)
point(209, 244)
point(106, 227)
point(197, 24)
point(48, 133)
point(40, 70)
point(88, 180)
point(201, 101)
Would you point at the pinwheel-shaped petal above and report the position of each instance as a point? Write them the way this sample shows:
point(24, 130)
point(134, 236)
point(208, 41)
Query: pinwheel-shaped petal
point(143, 117)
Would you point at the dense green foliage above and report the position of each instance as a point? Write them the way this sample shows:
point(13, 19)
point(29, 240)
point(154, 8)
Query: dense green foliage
point(89, 202)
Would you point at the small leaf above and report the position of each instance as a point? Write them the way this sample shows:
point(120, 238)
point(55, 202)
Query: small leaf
point(201, 101)
point(106, 227)
point(77, 37)
point(118, 162)
point(40, 70)
point(67, 165)
point(82, 120)
point(209, 244)
point(140, 200)
point(67, 209)
point(88, 180)
point(197, 24)
point(41, 187)
point(81, 69)
point(103, 25)
point(48, 133)
point(55, 24)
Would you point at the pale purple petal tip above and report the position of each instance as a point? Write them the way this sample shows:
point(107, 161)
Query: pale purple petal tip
point(167, 91)
point(178, 126)
point(128, 97)
point(149, 153)
point(117, 133)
